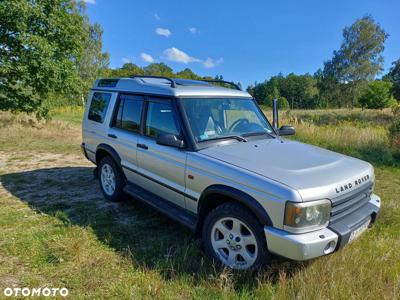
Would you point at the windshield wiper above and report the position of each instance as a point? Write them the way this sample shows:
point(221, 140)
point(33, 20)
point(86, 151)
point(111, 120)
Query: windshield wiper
point(237, 137)
point(260, 133)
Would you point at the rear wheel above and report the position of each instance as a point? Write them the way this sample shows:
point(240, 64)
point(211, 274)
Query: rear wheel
point(233, 236)
point(110, 179)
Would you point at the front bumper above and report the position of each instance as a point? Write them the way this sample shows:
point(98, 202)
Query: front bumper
point(321, 242)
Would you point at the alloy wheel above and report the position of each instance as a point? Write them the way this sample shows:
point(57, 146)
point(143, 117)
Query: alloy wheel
point(234, 243)
point(108, 181)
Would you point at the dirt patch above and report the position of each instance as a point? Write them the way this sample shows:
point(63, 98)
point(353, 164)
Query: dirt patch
point(50, 179)
point(15, 162)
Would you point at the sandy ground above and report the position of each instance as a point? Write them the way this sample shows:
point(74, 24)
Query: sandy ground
point(48, 178)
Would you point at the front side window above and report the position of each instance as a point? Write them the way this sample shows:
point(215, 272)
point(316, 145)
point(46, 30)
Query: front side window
point(98, 107)
point(160, 119)
point(216, 118)
point(129, 113)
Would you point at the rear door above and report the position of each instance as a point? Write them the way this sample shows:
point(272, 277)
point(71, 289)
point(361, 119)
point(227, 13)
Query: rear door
point(96, 120)
point(162, 167)
point(125, 129)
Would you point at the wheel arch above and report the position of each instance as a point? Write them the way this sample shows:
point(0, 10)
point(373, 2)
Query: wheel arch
point(218, 194)
point(103, 150)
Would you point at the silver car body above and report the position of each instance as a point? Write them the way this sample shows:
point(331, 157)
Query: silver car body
point(271, 171)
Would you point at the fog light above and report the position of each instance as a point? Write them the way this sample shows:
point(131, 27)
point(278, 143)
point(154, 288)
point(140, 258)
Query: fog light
point(329, 247)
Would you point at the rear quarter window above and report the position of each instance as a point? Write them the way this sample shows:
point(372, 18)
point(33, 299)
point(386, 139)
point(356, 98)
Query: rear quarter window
point(98, 107)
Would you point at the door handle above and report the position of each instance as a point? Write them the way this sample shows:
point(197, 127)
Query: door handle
point(112, 135)
point(143, 146)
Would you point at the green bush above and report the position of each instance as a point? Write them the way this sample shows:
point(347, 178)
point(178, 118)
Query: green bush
point(377, 95)
point(283, 103)
point(394, 132)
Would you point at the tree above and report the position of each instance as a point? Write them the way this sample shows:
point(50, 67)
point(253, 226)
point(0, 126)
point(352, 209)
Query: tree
point(258, 92)
point(94, 62)
point(188, 74)
point(359, 58)
point(158, 69)
point(300, 91)
point(154, 69)
point(394, 77)
point(40, 43)
point(377, 95)
point(127, 70)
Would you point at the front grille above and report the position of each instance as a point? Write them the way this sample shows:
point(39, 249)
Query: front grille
point(346, 204)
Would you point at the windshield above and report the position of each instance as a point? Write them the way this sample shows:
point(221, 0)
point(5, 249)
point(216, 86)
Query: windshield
point(216, 118)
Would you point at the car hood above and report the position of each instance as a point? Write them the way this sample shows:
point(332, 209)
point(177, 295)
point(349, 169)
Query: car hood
point(314, 172)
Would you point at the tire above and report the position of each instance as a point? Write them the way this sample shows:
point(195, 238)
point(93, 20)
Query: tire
point(233, 237)
point(110, 179)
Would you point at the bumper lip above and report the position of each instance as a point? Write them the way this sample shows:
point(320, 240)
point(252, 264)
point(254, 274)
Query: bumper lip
point(314, 244)
point(303, 246)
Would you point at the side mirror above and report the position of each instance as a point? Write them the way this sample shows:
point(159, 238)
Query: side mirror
point(286, 130)
point(171, 140)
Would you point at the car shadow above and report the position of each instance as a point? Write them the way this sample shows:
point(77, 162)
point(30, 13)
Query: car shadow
point(133, 229)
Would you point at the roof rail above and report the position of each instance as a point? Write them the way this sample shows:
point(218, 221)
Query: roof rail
point(223, 81)
point(173, 83)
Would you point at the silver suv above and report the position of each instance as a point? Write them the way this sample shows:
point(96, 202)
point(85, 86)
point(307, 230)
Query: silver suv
point(206, 156)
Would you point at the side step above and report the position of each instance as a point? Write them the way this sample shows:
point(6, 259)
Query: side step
point(171, 210)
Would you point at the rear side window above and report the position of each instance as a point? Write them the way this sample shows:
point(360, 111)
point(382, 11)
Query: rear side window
point(160, 119)
point(129, 113)
point(98, 107)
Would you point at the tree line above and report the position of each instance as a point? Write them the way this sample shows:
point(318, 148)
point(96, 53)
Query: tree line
point(50, 54)
point(154, 69)
point(348, 79)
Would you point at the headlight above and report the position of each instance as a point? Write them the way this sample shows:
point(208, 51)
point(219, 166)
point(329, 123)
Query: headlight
point(307, 216)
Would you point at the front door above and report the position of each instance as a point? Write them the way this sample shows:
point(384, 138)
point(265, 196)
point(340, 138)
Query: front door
point(162, 167)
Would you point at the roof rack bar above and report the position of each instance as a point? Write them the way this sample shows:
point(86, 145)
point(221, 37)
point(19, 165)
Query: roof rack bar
point(223, 81)
point(173, 83)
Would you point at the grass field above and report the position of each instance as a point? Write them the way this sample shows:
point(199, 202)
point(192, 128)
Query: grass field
point(56, 230)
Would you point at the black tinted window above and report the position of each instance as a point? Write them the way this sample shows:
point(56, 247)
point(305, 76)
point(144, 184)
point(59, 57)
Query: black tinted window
point(160, 119)
point(98, 107)
point(129, 113)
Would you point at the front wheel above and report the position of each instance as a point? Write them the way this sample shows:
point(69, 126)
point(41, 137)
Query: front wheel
point(233, 236)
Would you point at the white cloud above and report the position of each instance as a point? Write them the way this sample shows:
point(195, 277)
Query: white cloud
point(211, 63)
point(176, 55)
point(89, 1)
point(157, 17)
point(163, 31)
point(128, 59)
point(193, 30)
point(147, 57)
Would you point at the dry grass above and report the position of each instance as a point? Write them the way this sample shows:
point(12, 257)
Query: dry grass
point(57, 230)
point(359, 133)
point(25, 133)
point(336, 116)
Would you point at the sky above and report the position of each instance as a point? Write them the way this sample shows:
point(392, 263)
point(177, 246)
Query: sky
point(245, 41)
